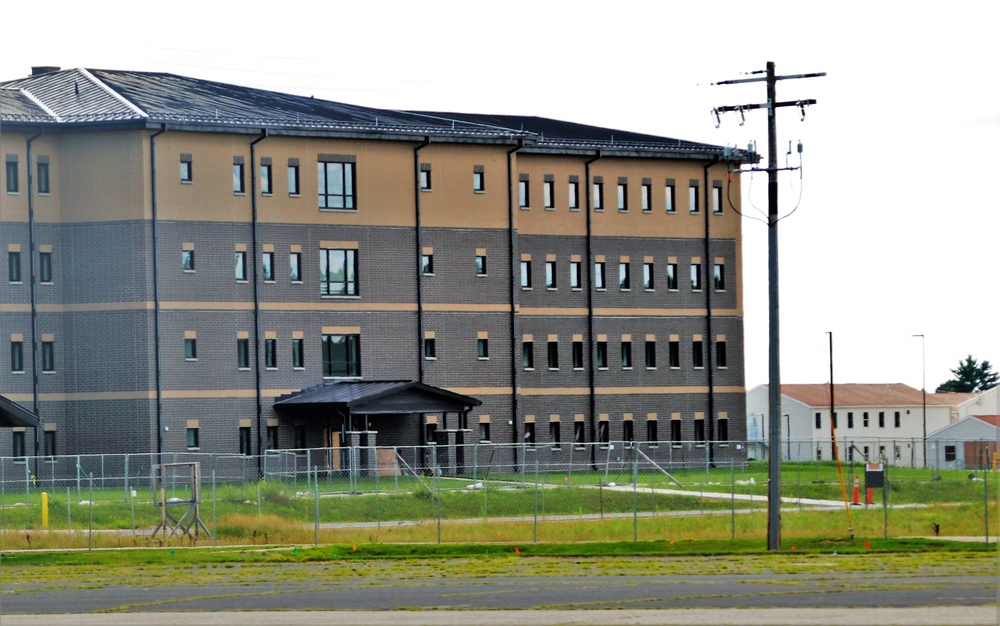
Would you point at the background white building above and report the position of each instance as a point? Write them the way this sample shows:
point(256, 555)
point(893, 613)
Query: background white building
point(870, 419)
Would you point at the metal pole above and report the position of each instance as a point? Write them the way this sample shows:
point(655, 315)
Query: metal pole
point(316, 506)
point(774, 357)
point(923, 388)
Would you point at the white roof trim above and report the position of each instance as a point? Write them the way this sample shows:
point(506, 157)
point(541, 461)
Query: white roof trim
point(114, 94)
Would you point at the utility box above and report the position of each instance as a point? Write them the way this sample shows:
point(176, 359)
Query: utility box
point(874, 476)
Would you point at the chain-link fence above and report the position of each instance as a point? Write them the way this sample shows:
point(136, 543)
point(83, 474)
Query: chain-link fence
point(613, 491)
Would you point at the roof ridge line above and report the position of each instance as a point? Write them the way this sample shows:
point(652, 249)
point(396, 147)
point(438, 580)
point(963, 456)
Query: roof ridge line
point(114, 94)
point(41, 105)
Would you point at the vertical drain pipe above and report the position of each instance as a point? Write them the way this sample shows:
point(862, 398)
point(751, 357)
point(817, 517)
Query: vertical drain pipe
point(512, 249)
point(256, 299)
point(34, 295)
point(709, 288)
point(590, 308)
point(420, 251)
point(156, 292)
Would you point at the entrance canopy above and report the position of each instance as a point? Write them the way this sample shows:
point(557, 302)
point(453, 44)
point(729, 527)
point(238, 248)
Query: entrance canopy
point(376, 397)
point(13, 414)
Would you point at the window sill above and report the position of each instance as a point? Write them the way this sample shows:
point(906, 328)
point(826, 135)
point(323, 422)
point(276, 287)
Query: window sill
point(624, 289)
point(426, 273)
point(47, 283)
point(18, 373)
point(628, 368)
point(652, 446)
point(603, 369)
point(296, 282)
point(335, 210)
point(294, 195)
point(483, 275)
point(717, 290)
point(50, 372)
point(529, 369)
point(699, 367)
point(553, 369)
point(483, 358)
point(574, 208)
point(242, 281)
point(651, 369)
point(271, 369)
point(552, 288)
point(550, 208)
point(699, 445)
point(576, 288)
point(623, 210)
point(339, 297)
point(525, 288)
point(44, 194)
point(677, 446)
point(269, 281)
point(668, 212)
point(647, 211)
point(600, 288)
point(525, 208)
point(426, 190)
point(188, 271)
point(479, 191)
point(193, 449)
point(13, 193)
point(430, 358)
point(299, 369)
point(187, 182)
point(267, 194)
point(190, 360)
point(16, 282)
point(239, 193)
point(243, 369)
point(577, 369)
point(579, 447)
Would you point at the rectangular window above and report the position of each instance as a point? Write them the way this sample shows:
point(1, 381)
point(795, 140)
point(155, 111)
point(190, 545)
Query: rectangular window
point(651, 435)
point(239, 182)
point(696, 276)
point(895, 421)
point(949, 453)
point(338, 272)
point(720, 277)
point(723, 424)
point(628, 431)
point(647, 276)
point(578, 435)
point(295, 266)
point(850, 419)
point(245, 448)
point(553, 355)
point(549, 194)
point(699, 430)
point(191, 438)
point(298, 353)
point(14, 267)
point(627, 355)
point(48, 356)
point(697, 354)
point(550, 274)
point(45, 267)
point(44, 185)
point(554, 435)
point(430, 348)
point(819, 420)
point(602, 355)
point(647, 194)
point(272, 437)
point(864, 421)
point(598, 196)
point(271, 353)
point(294, 189)
point(266, 180)
point(672, 276)
point(522, 193)
point(336, 185)
point(717, 199)
point(49, 444)
point(341, 355)
point(478, 179)
point(675, 354)
point(243, 353)
point(651, 355)
point(267, 266)
point(578, 355)
point(693, 198)
point(623, 196)
point(599, 278)
point(425, 177)
point(529, 435)
point(669, 195)
point(17, 444)
point(483, 348)
point(12, 175)
point(525, 274)
point(187, 260)
point(484, 431)
point(675, 431)
point(528, 355)
point(574, 195)
point(427, 264)
point(17, 356)
point(240, 263)
point(481, 264)
point(299, 436)
point(603, 431)
point(720, 354)
point(881, 419)
point(190, 348)
point(624, 276)
point(187, 169)
point(574, 274)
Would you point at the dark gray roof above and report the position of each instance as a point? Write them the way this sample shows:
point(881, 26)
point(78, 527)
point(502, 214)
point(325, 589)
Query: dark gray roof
point(74, 97)
point(372, 397)
point(13, 414)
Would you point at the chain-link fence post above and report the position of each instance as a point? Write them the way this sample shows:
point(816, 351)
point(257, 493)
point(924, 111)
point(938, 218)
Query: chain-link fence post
point(69, 512)
point(90, 534)
point(534, 536)
point(732, 499)
point(986, 501)
point(316, 505)
point(635, 497)
point(214, 499)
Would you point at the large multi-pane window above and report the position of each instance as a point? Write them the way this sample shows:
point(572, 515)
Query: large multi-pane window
point(338, 272)
point(336, 185)
point(341, 355)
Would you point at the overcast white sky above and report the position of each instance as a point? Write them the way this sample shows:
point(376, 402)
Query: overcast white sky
point(897, 212)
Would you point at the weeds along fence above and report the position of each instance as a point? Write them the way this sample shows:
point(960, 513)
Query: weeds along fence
point(612, 491)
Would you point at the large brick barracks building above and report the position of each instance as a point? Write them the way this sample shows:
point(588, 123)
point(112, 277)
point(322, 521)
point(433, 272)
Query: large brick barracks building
point(192, 265)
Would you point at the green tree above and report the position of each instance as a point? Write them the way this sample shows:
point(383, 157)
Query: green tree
point(970, 376)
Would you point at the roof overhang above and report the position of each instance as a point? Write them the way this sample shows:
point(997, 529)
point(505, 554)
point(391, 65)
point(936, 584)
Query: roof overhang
point(13, 414)
point(375, 397)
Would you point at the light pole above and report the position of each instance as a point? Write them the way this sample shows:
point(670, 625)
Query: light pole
point(923, 387)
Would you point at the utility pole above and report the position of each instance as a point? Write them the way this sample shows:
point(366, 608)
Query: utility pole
point(774, 373)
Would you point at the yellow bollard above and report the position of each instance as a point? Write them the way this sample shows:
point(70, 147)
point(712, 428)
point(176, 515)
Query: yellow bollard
point(45, 509)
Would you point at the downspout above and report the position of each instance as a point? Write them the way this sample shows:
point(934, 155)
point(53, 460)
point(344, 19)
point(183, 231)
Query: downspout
point(256, 300)
point(34, 296)
point(590, 309)
point(512, 249)
point(709, 288)
point(156, 291)
point(420, 251)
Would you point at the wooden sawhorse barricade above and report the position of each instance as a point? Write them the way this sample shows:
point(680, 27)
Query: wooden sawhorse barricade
point(186, 478)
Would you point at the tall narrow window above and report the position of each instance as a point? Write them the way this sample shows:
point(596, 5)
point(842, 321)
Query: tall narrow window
point(266, 179)
point(48, 356)
point(697, 354)
point(599, 278)
point(267, 266)
point(45, 267)
point(293, 178)
point(298, 353)
point(647, 276)
point(669, 196)
point(578, 433)
point(723, 429)
point(529, 435)
point(672, 276)
point(430, 348)
point(49, 443)
point(12, 174)
point(341, 355)
point(720, 277)
point(190, 348)
point(240, 263)
point(675, 432)
point(484, 431)
point(528, 355)
point(523, 192)
point(699, 430)
point(696, 276)
point(425, 177)
point(602, 355)
point(295, 266)
point(881, 419)
point(187, 260)
point(549, 193)
point(896, 423)
point(574, 275)
point(478, 180)
point(626, 355)
point(336, 184)
point(647, 196)
point(187, 169)
point(819, 420)
point(338, 272)
point(17, 356)
point(481, 264)
point(191, 437)
point(651, 435)
point(554, 434)
point(577, 355)
point(553, 355)
point(299, 439)
point(864, 422)
point(243, 353)
point(624, 276)
point(574, 193)
point(550, 274)
point(720, 354)
point(14, 266)
point(850, 419)
point(598, 190)
point(717, 197)
point(622, 196)
point(603, 431)
point(693, 197)
point(17, 444)
point(650, 354)
point(525, 274)
point(427, 264)
point(271, 353)
point(483, 348)
point(675, 354)
point(245, 441)
point(239, 179)
point(628, 431)
point(44, 184)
